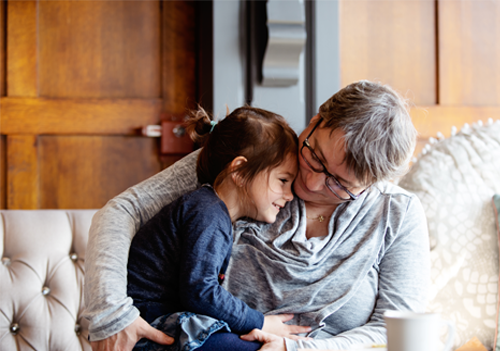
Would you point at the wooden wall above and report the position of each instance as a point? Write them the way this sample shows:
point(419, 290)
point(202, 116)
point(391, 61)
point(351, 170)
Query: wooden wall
point(82, 77)
point(77, 80)
point(3, 178)
point(443, 55)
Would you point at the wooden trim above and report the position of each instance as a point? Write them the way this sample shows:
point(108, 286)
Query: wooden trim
point(178, 51)
point(23, 191)
point(437, 52)
point(3, 172)
point(22, 48)
point(78, 116)
point(433, 119)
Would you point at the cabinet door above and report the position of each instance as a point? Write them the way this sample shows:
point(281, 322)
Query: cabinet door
point(443, 55)
point(82, 79)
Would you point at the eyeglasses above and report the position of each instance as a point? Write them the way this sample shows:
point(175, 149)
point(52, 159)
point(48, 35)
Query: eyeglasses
point(332, 183)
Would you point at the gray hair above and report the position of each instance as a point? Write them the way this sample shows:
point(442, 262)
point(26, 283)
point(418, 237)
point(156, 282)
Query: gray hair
point(379, 134)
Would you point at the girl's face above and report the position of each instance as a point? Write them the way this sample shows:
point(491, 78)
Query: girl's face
point(269, 191)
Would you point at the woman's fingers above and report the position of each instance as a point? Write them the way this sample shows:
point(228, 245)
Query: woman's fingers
point(257, 335)
point(275, 324)
point(269, 341)
point(285, 317)
point(124, 340)
point(155, 335)
point(298, 329)
point(296, 337)
point(292, 328)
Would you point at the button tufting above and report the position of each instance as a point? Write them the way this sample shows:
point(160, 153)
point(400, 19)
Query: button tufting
point(74, 257)
point(78, 329)
point(6, 261)
point(45, 291)
point(14, 328)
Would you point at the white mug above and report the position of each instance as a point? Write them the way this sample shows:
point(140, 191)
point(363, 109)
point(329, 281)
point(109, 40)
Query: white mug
point(411, 331)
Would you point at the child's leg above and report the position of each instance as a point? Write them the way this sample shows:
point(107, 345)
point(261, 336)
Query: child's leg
point(223, 341)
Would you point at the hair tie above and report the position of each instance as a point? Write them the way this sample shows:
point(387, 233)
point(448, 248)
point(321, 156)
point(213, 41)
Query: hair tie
point(213, 124)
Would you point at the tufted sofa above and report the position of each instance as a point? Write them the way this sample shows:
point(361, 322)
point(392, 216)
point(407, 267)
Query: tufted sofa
point(41, 279)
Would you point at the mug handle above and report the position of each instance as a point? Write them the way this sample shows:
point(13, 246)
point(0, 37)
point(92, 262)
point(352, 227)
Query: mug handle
point(451, 335)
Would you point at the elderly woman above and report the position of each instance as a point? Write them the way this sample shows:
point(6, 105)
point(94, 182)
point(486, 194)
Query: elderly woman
point(349, 247)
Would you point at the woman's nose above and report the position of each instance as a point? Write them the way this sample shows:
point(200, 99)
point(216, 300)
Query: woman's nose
point(315, 181)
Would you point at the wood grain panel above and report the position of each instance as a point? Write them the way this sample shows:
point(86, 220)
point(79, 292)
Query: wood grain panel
point(433, 119)
point(3, 90)
point(22, 172)
point(22, 48)
point(99, 49)
point(392, 42)
point(87, 171)
point(430, 120)
point(77, 116)
point(469, 52)
point(3, 32)
point(3, 172)
point(179, 56)
point(85, 76)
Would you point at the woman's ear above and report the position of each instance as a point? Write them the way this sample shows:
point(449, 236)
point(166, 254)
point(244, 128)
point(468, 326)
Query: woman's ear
point(314, 120)
point(233, 168)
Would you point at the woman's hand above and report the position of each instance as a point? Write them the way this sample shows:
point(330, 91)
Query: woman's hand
point(275, 324)
point(270, 342)
point(126, 339)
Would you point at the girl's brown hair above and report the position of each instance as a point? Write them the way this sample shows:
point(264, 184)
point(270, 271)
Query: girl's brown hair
point(264, 138)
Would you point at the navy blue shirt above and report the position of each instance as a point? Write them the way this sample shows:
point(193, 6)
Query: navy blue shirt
point(177, 258)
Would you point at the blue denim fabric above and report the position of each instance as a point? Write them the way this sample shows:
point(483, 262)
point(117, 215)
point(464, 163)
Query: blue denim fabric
point(222, 341)
point(177, 257)
point(189, 330)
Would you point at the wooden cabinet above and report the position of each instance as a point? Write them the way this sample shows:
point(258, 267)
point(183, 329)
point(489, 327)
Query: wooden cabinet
point(443, 55)
point(81, 79)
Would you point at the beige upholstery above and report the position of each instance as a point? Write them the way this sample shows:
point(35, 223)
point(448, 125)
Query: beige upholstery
point(41, 279)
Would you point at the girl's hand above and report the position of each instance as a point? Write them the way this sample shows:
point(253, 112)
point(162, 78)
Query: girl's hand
point(269, 341)
point(275, 324)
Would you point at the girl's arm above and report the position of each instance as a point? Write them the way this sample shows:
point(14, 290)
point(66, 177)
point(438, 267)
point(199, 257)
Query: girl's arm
point(404, 278)
point(207, 240)
point(108, 308)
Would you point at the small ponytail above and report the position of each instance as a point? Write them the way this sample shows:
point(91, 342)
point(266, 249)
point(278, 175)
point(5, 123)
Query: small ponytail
point(199, 126)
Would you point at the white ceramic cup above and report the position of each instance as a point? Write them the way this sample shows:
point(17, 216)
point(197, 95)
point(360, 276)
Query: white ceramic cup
point(410, 331)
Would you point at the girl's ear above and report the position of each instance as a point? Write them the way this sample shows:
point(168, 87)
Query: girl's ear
point(233, 168)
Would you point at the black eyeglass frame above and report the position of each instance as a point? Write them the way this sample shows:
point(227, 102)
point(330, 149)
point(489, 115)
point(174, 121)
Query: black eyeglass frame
point(305, 143)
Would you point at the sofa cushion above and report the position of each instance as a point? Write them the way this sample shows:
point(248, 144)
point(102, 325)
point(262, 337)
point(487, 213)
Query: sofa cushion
point(455, 181)
point(41, 293)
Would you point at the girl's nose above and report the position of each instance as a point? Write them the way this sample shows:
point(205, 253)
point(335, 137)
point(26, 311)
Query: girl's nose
point(288, 195)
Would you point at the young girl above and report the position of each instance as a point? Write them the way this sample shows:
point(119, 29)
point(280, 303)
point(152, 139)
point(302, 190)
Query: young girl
point(178, 259)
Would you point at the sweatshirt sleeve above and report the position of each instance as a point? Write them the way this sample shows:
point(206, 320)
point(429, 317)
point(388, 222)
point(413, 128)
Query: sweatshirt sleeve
point(108, 308)
point(206, 249)
point(404, 277)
